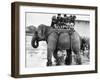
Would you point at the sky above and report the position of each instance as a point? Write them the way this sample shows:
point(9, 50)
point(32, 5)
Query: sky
point(43, 18)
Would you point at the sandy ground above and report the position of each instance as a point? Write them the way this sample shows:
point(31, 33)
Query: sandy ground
point(38, 57)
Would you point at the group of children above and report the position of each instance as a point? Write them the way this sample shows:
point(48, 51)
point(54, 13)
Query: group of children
point(63, 22)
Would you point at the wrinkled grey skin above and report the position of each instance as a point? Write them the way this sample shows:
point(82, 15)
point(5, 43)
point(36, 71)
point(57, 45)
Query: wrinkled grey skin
point(57, 42)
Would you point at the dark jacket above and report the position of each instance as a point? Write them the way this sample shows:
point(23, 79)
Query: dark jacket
point(54, 21)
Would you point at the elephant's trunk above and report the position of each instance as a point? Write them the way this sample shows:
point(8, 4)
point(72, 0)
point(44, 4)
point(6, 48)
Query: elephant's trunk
point(35, 42)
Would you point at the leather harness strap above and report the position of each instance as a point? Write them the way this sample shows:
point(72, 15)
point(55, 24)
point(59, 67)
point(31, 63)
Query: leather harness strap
point(59, 31)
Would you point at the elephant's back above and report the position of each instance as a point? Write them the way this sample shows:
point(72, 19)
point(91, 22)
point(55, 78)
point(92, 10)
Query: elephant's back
point(64, 41)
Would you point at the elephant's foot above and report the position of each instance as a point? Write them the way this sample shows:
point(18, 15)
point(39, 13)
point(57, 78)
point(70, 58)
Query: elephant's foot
point(49, 63)
point(67, 61)
point(78, 61)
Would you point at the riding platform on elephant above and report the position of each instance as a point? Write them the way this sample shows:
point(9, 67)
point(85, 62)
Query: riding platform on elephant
point(60, 30)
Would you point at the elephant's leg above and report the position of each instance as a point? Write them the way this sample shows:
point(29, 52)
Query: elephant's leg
point(68, 59)
point(49, 57)
point(78, 57)
point(55, 55)
point(51, 46)
point(76, 46)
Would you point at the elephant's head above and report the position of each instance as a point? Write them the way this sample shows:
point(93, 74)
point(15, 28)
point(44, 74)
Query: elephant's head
point(39, 35)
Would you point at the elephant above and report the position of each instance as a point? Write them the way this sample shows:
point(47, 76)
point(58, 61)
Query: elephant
point(57, 41)
point(85, 46)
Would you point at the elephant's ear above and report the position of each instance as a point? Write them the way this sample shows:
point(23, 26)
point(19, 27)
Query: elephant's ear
point(42, 27)
point(43, 30)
